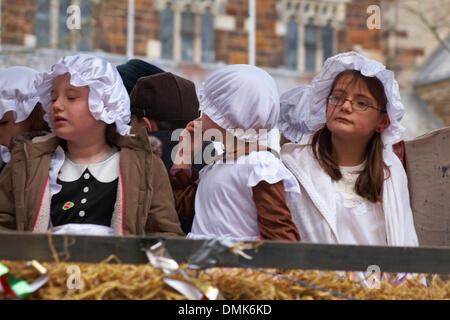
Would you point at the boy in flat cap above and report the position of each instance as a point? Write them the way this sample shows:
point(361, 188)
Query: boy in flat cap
point(162, 103)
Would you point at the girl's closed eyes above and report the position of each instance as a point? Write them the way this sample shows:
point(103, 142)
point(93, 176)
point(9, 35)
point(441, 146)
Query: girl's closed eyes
point(71, 95)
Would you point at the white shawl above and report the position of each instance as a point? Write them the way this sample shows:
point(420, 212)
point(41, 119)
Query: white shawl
point(317, 216)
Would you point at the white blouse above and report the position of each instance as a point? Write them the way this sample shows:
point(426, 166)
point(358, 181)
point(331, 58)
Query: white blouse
point(359, 221)
point(224, 205)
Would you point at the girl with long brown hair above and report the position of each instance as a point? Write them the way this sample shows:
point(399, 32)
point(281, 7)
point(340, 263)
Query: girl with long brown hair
point(353, 187)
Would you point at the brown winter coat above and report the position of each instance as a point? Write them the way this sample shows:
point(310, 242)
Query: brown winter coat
point(144, 203)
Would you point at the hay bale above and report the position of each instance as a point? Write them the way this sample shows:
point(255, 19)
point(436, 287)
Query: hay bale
point(109, 281)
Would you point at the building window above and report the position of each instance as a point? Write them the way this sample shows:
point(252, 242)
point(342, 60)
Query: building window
point(291, 45)
point(58, 34)
point(187, 34)
point(166, 32)
point(311, 37)
point(188, 31)
point(64, 34)
point(309, 28)
point(85, 40)
point(42, 26)
point(328, 41)
point(207, 29)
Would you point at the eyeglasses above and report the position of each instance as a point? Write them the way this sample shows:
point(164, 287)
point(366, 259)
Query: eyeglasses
point(358, 105)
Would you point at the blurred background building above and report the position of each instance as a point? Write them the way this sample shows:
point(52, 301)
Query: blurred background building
point(292, 39)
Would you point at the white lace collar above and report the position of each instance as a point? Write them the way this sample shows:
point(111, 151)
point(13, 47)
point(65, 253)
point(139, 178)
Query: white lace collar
point(104, 171)
point(346, 185)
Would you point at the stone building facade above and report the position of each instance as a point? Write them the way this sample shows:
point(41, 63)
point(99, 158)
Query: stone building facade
point(292, 34)
point(407, 39)
point(193, 37)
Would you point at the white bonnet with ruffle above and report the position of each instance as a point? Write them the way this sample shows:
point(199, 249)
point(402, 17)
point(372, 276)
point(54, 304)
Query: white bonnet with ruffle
point(18, 92)
point(295, 119)
point(243, 99)
point(322, 82)
point(108, 98)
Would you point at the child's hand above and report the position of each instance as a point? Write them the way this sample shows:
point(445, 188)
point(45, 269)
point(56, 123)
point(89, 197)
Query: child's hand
point(188, 147)
point(192, 136)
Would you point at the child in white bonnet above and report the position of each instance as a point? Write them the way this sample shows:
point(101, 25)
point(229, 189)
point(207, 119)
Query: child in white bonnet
point(89, 176)
point(292, 107)
point(354, 189)
point(20, 110)
point(242, 194)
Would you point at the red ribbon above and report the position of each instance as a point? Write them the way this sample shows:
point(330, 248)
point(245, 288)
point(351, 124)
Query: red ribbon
point(5, 284)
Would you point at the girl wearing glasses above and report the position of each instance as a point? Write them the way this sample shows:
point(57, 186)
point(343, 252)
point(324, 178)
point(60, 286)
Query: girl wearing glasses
point(353, 187)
